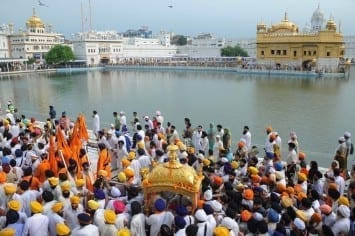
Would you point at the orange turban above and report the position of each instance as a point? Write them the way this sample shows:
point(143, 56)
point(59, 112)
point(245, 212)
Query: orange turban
point(281, 187)
point(3, 177)
point(200, 203)
point(302, 155)
point(128, 172)
point(248, 194)
point(290, 190)
point(301, 195)
point(245, 215)
point(269, 128)
point(255, 178)
point(316, 217)
point(218, 180)
point(241, 144)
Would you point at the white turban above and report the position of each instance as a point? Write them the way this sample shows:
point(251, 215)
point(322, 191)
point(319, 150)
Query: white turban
point(299, 224)
point(216, 206)
point(201, 215)
point(208, 195)
point(230, 224)
point(344, 211)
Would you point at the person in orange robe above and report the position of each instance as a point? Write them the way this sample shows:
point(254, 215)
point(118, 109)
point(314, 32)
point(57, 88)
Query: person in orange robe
point(82, 157)
point(104, 162)
point(88, 176)
point(32, 180)
point(42, 168)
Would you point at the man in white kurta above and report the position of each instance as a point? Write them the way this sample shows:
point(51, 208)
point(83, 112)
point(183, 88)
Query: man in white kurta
point(247, 137)
point(37, 224)
point(95, 122)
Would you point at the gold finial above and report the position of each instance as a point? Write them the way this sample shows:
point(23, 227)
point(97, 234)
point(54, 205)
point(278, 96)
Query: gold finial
point(286, 16)
point(173, 157)
point(33, 11)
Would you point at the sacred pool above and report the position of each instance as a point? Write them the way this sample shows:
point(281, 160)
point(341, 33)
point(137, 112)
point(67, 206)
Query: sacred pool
point(318, 110)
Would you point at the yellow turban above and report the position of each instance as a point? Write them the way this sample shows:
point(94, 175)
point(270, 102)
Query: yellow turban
point(131, 155)
point(253, 170)
point(53, 181)
point(302, 215)
point(14, 205)
point(110, 216)
point(191, 150)
point(121, 177)
point(62, 229)
point(343, 201)
point(65, 186)
point(235, 164)
point(286, 201)
point(9, 189)
point(103, 173)
point(140, 145)
point(221, 231)
point(128, 172)
point(124, 232)
point(7, 232)
point(125, 162)
point(57, 207)
point(93, 205)
point(206, 162)
point(36, 207)
point(75, 200)
point(302, 176)
point(80, 183)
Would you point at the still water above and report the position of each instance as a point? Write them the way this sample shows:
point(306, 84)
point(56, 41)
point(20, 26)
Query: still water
point(319, 110)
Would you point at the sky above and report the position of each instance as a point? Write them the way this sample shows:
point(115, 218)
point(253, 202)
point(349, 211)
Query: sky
point(224, 18)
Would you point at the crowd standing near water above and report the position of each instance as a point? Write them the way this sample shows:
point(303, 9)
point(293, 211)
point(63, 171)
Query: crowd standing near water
point(49, 186)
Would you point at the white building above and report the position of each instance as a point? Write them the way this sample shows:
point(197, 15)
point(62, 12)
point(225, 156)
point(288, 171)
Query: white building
point(148, 47)
point(207, 45)
point(349, 47)
point(35, 41)
point(5, 30)
point(98, 47)
point(203, 45)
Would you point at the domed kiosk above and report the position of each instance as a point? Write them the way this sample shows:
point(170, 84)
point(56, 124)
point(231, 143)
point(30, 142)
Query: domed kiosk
point(173, 177)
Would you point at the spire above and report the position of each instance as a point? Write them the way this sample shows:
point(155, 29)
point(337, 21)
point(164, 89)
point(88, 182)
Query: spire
point(33, 11)
point(286, 16)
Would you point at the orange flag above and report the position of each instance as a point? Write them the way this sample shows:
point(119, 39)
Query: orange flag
point(83, 132)
point(63, 146)
point(76, 144)
point(52, 160)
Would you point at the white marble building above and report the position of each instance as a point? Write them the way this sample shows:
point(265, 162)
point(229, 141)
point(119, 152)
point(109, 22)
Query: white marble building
point(35, 41)
point(98, 47)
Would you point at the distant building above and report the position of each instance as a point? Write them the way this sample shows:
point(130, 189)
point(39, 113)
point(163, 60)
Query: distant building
point(35, 41)
point(143, 32)
point(207, 45)
point(5, 31)
point(98, 47)
point(149, 47)
point(350, 47)
point(282, 44)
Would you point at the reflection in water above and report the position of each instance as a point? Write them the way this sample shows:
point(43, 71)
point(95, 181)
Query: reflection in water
point(319, 110)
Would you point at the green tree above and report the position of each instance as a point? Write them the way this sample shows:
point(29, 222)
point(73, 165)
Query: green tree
point(59, 54)
point(179, 40)
point(31, 61)
point(235, 51)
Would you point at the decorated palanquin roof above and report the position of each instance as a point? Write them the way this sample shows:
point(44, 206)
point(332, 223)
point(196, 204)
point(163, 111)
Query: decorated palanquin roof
point(173, 176)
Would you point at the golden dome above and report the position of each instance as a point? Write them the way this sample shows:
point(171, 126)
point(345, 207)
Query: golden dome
point(34, 21)
point(284, 26)
point(331, 25)
point(173, 176)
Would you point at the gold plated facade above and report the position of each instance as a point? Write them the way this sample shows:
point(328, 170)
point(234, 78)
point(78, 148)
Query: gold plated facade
point(284, 44)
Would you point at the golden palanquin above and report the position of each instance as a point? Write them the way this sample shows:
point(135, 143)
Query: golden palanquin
point(173, 177)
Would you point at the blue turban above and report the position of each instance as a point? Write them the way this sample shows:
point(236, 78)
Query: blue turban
point(84, 218)
point(99, 194)
point(270, 155)
point(278, 166)
point(5, 160)
point(124, 128)
point(181, 210)
point(180, 222)
point(159, 204)
point(273, 216)
point(139, 138)
point(18, 153)
point(208, 209)
point(118, 134)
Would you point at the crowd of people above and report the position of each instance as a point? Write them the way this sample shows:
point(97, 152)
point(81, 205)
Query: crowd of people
point(50, 185)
